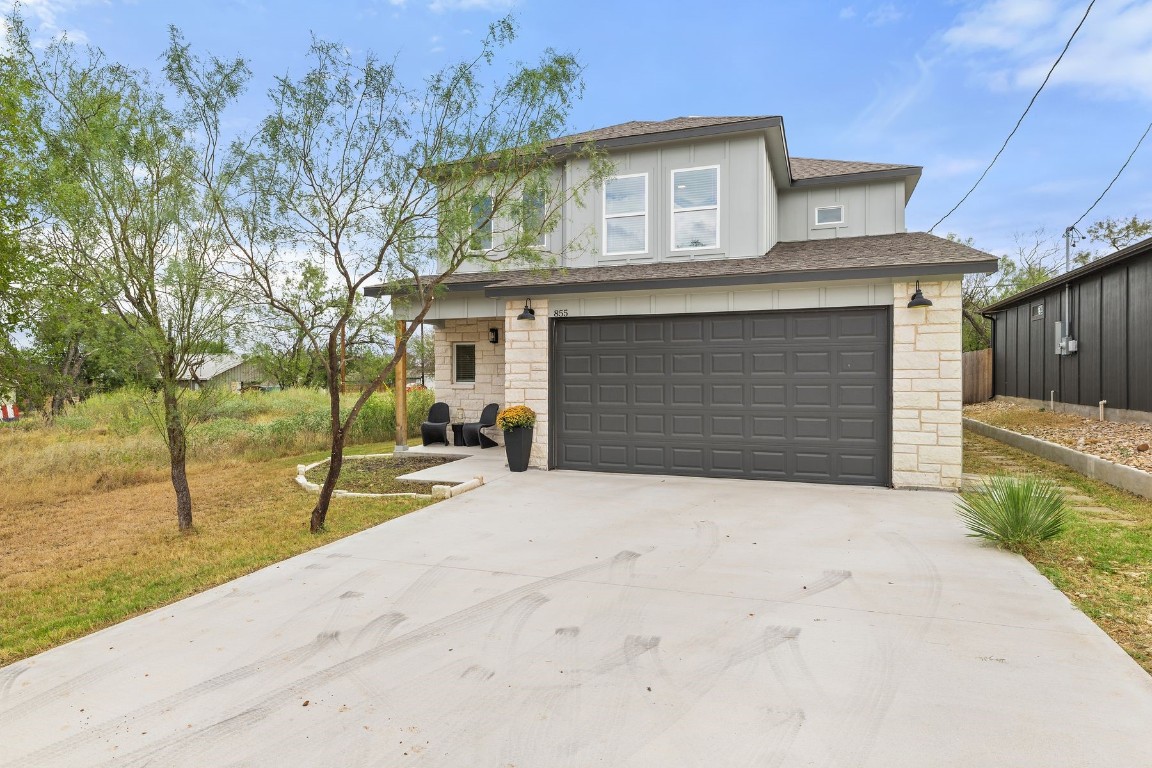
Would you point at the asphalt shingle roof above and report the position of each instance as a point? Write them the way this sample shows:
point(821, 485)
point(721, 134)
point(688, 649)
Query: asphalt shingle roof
point(649, 127)
point(872, 252)
point(802, 167)
point(812, 168)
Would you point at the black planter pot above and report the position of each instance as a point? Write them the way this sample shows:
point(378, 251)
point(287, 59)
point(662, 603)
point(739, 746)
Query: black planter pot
point(518, 445)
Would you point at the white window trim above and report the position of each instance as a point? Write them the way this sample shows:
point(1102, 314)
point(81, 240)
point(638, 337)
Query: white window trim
point(816, 216)
point(606, 216)
point(675, 210)
point(475, 358)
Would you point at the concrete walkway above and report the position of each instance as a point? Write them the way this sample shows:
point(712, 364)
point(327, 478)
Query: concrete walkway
point(569, 619)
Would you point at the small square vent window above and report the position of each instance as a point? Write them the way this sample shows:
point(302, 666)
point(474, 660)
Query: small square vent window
point(1037, 311)
point(830, 214)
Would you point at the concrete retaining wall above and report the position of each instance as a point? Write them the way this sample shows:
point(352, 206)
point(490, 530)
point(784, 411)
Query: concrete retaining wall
point(1127, 478)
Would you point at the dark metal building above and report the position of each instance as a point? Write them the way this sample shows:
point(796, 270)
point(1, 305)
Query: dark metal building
point(1105, 310)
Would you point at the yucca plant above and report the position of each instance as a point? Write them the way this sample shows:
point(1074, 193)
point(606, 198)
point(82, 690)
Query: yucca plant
point(1016, 513)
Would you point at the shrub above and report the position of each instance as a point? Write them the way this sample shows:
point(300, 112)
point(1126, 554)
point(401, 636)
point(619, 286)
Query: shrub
point(516, 416)
point(1015, 513)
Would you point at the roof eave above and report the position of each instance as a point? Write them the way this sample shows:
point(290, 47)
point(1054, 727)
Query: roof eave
point(755, 125)
point(503, 290)
point(910, 174)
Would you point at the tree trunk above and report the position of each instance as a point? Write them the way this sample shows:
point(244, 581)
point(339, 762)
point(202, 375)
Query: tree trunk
point(336, 458)
point(335, 464)
point(177, 436)
point(977, 326)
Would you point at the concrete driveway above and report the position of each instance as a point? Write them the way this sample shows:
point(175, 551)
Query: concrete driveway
point(569, 619)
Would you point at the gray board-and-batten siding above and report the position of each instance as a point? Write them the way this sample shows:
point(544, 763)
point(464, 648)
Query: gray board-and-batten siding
point(1111, 312)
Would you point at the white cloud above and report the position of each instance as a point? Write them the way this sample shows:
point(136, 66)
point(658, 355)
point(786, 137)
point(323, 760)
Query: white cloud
point(1011, 44)
point(891, 100)
point(437, 44)
point(440, 6)
point(947, 167)
point(848, 12)
point(883, 15)
point(45, 19)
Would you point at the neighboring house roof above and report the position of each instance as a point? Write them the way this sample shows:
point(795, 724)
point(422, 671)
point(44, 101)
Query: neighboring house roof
point(211, 366)
point(844, 258)
point(801, 169)
point(1132, 251)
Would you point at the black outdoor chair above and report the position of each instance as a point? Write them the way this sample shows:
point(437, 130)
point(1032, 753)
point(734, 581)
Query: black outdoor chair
point(435, 430)
point(472, 433)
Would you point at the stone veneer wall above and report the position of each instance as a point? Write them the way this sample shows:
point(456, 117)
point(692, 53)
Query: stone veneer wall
point(489, 384)
point(927, 387)
point(526, 370)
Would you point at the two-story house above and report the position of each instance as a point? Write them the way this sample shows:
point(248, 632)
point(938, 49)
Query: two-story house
point(743, 314)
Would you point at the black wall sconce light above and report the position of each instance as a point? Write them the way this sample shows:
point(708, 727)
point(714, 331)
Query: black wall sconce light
point(494, 335)
point(918, 299)
point(528, 313)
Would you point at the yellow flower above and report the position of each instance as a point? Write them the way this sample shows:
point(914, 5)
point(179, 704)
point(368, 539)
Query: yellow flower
point(516, 416)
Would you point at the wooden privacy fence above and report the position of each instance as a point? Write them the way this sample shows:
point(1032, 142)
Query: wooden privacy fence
point(977, 369)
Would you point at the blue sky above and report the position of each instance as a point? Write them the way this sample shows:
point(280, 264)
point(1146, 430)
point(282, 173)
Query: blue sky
point(936, 84)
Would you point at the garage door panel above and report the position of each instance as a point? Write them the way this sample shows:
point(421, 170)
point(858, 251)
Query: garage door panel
point(612, 424)
point(648, 394)
point(687, 426)
point(812, 428)
point(687, 363)
point(726, 363)
point(727, 426)
point(786, 395)
point(811, 362)
point(726, 394)
point(612, 365)
point(768, 328)
point(809, 395)
point(612, 394)
point(769, 362)
point(861, 326)
point(647, 363)
point(687, 394)
point(648, 331)
point(612, 332)
point(722, 329)
point(812, 327)
point(864, 362)
point(771, 395)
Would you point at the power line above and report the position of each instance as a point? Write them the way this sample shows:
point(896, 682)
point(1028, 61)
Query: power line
point(1130, 156)
point(1022, 116)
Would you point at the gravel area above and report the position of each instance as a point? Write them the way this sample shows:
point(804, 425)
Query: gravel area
point(1118, 442)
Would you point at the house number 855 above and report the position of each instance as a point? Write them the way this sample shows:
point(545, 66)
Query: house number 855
point(559, 313)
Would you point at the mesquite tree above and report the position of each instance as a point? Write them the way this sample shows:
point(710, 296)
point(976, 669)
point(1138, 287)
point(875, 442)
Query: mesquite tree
point(382, 183)
point(122, 210)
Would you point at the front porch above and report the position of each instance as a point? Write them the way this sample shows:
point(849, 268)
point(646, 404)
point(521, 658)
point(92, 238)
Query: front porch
point(495, 359)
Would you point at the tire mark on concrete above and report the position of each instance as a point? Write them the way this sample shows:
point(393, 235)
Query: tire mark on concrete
point(881, 679)
point(260, 707)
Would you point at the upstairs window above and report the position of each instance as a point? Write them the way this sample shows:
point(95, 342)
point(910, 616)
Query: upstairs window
point(481, 226)
point(829, 215)
point(534, 209)
point(695, 208)
point(626, 214)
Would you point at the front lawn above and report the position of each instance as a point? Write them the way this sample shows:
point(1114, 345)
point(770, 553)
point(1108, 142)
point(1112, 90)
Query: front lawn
point(82, 561)
point(1103, 560)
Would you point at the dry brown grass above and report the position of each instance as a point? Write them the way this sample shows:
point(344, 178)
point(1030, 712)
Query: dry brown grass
point(95, 546)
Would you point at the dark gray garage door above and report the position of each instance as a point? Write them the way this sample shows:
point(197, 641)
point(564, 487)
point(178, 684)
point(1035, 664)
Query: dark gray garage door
point(773, 395)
